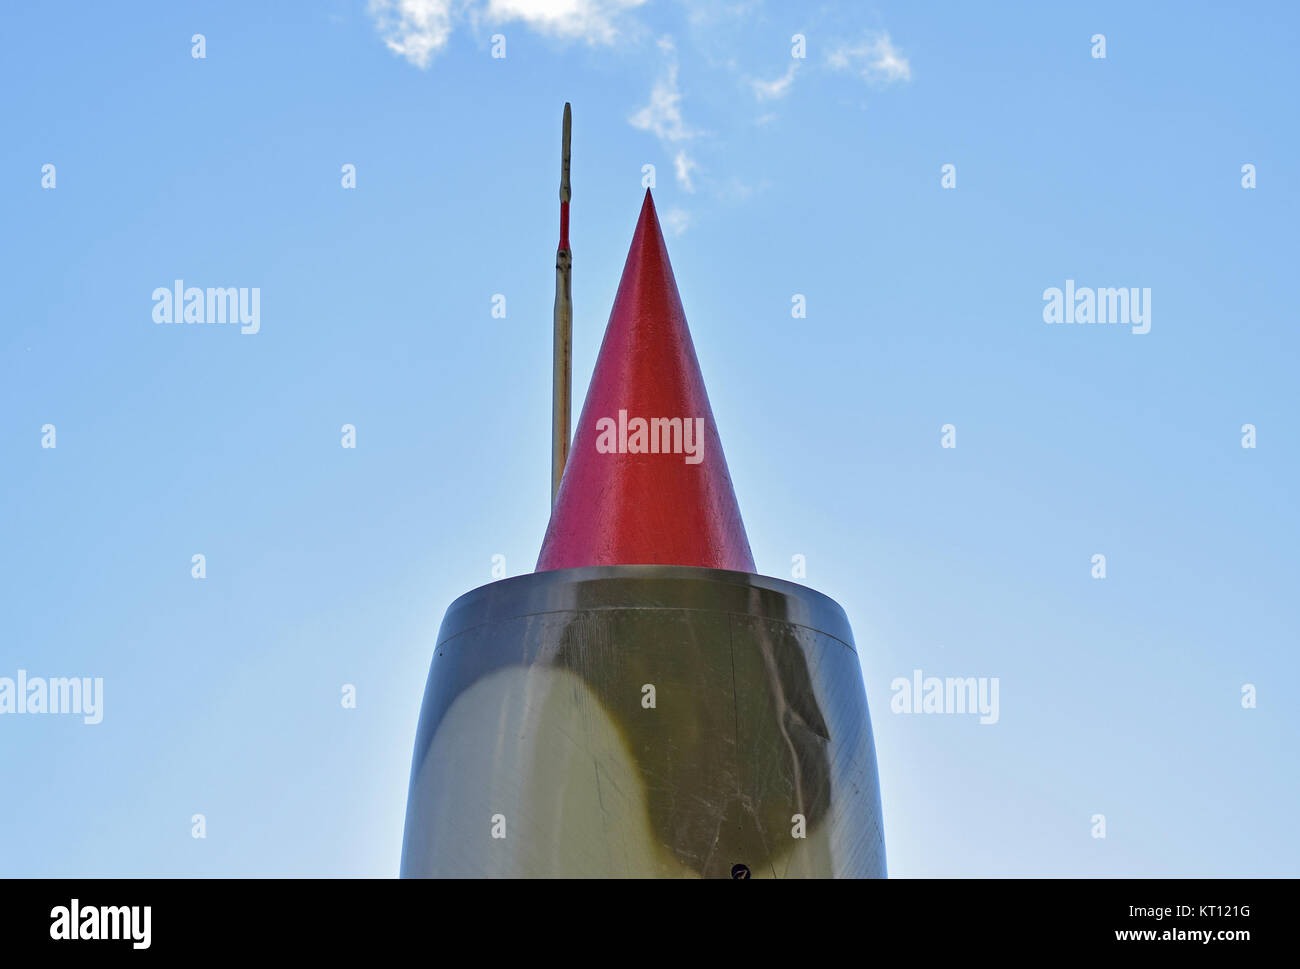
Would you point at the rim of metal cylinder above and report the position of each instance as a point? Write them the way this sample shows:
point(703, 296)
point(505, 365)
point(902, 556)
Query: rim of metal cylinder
point(648, 587)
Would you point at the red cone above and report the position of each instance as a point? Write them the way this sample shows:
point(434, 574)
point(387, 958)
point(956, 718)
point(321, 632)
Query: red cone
point(646, 482)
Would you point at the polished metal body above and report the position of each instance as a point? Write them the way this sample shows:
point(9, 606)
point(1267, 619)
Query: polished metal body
point(644, 720)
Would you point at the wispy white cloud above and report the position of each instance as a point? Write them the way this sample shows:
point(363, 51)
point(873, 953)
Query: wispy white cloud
point(595, 21)
point(684, 165)
point(776, 88)
point(677, 221)
point(415, 29)
point(875, 59)
point(419, 29)
point(662, 117)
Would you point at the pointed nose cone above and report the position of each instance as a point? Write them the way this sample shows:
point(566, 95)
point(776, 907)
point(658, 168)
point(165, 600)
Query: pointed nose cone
point(646, 481)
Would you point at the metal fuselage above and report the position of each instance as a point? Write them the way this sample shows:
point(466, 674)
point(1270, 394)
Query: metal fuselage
point(644, 720)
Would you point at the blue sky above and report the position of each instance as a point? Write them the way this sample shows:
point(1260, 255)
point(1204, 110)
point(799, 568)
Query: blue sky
point(775, 176)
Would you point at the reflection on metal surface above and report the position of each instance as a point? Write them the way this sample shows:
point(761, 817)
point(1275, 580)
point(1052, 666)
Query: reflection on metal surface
point(644, 720)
